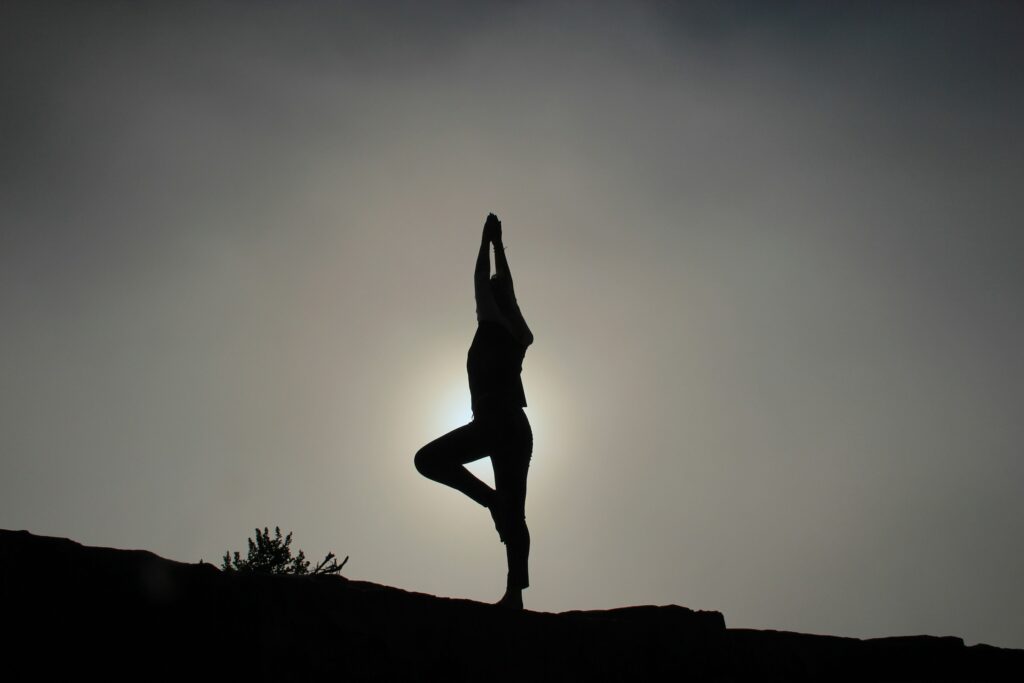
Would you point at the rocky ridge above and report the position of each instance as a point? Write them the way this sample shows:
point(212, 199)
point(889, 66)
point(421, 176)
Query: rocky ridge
point(74, 609)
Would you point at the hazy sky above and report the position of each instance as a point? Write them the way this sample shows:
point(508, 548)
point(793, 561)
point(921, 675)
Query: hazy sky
point(772, 258)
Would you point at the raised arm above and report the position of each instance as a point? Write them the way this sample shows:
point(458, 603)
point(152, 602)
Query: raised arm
point(500, 262)
point(482, 273)
point(486, 306)
point(513, 318)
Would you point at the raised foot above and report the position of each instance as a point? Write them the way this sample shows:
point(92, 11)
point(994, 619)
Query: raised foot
point(498, 522)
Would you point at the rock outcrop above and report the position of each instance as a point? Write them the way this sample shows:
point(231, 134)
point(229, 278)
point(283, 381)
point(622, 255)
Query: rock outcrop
point(77, 610)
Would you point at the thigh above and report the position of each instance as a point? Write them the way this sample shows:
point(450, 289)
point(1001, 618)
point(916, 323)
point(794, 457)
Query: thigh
point(457, 447)
point(511, 455)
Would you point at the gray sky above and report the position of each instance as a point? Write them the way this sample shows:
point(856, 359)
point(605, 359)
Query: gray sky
point(771, 257)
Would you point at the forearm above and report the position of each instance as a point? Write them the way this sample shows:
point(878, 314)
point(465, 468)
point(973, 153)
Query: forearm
point(500, 262)
point(486, 306)
point(483, 261)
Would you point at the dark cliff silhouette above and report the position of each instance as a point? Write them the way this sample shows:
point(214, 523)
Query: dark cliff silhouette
point(76, 610)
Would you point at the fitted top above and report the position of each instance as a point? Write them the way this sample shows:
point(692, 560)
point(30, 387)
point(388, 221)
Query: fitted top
point(494, 364)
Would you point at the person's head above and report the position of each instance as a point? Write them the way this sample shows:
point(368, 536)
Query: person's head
point(501, 289)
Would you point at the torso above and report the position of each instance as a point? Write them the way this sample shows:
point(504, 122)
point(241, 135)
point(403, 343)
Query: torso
point(494, 364)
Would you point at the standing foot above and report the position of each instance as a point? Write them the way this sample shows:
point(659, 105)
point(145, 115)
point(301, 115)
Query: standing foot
point(512, 600)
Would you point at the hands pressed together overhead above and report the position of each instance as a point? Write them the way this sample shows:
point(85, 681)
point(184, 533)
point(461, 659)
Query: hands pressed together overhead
point(492, 229)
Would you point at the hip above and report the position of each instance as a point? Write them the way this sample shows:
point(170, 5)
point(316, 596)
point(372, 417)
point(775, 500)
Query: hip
point(507, 427)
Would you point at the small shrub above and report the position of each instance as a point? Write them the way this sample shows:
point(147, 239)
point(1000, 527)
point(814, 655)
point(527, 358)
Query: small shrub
point(274, 556)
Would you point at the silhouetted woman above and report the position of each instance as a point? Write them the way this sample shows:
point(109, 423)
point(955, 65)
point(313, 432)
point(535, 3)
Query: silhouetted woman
point(499, 428)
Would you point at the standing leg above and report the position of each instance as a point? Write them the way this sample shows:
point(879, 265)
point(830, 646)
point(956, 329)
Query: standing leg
point(511, 462)
point(443, 458)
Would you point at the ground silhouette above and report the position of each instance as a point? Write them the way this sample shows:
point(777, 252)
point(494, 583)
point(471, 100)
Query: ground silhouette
point(77, 610)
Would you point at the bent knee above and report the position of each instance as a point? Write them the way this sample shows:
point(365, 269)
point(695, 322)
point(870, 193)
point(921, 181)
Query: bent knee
point(423, 462)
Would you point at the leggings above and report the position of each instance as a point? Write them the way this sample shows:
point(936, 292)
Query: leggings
point(505, 436)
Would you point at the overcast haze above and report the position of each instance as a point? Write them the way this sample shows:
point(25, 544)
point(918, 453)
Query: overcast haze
point(772, 259)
